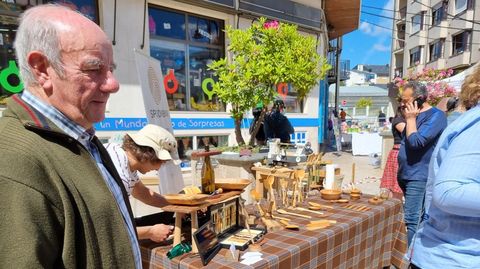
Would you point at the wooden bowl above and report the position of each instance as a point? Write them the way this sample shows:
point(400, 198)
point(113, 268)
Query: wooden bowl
point(330, 194)
point(232, 184)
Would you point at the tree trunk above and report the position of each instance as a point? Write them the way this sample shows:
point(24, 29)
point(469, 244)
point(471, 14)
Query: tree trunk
point(257, 127)
point(238, 131)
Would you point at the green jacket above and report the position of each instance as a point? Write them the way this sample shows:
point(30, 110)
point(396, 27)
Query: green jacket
point(56, 210)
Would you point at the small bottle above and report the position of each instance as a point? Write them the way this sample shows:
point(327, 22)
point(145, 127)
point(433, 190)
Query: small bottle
point(208, 176)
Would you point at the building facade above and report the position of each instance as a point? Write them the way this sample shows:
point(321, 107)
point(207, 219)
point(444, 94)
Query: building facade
point(435, 34)
point(186, 36)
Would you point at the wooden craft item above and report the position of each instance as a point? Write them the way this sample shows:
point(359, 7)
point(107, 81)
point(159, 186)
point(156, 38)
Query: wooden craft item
point(232, 183)
point(289, 226)
point(375, 201)
point(360, 208)
point(353, 174)
point(267, 183)
point(284, 212)
point(283, 191)
point(307, 210)
point(186, 199)
point(320, 205)
point(280, 218)
point(319, 224)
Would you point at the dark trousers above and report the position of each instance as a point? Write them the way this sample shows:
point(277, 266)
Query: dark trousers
point(158, 218)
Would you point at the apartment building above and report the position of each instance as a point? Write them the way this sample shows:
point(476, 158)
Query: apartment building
point(435, 34)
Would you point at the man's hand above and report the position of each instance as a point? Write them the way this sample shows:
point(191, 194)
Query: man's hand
point(411, 110)
point(160, 232)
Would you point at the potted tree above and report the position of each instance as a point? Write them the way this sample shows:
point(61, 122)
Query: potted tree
point(266, 56)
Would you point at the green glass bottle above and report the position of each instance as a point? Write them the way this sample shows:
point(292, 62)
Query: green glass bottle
point(208, 176)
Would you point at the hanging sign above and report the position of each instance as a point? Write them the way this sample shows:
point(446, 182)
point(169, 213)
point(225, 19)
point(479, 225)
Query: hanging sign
point(170, 77)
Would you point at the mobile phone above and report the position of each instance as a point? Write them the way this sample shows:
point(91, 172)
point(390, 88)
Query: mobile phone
point(420, 100)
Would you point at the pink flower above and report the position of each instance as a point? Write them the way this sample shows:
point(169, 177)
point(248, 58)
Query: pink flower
point(271, 24)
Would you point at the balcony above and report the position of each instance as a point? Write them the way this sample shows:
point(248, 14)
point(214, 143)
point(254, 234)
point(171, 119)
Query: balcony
point(398, 46)
point(402, 14)
point(344, 69)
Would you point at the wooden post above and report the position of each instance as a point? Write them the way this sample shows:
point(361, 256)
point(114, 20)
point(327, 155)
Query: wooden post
point(177, 232)
point(194, 229)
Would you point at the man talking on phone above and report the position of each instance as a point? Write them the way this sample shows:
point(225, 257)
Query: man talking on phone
point(424, 125)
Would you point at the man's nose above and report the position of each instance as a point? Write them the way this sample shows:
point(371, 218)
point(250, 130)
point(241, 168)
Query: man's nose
point(110, 84)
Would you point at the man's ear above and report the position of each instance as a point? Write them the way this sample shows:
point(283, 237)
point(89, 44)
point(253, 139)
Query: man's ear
point(39, 65)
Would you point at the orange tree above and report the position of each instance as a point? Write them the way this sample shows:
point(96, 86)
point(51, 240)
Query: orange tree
point(262, 56)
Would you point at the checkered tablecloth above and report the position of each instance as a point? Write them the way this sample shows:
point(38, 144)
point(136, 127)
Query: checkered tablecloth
point(371, 239)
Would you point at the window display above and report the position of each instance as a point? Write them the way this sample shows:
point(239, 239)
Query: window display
point(185, 57)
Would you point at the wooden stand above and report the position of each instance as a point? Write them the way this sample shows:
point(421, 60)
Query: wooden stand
point(181, 210)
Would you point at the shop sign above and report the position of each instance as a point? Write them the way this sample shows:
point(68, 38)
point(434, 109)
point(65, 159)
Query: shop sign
point(11, 70)
point(132, 124)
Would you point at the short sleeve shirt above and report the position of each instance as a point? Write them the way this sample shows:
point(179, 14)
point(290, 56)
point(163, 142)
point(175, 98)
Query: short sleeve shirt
point(120, 160)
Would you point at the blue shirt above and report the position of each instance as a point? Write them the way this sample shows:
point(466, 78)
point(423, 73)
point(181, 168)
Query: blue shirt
point(416, 150)
point(85, 138)
point(449, 236)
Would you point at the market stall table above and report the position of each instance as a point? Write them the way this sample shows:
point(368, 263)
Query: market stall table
point(370, 239)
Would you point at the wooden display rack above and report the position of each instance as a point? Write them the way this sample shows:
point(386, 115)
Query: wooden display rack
point(181, 210)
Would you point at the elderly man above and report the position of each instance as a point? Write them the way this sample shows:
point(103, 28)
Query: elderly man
point(424, 125)
point(63, 203)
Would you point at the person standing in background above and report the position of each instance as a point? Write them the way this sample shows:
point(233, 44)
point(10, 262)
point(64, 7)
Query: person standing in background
point(389, 178)
point(343, 115)
point(143, 152)
point(276, 124)
point(449, 236)
point(63, 202)
point(424, 125)
point(381, 118)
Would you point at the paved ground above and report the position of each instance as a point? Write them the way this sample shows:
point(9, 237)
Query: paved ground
point(367, 176)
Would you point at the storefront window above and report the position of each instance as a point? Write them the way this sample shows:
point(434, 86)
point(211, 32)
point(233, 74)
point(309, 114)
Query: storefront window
point(89, 8)
point(289, 95)
point(184, 58)
point(9, 73)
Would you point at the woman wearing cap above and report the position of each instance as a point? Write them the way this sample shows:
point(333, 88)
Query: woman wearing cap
point(143, 152)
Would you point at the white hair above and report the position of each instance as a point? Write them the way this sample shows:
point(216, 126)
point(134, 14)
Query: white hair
point(37, 32)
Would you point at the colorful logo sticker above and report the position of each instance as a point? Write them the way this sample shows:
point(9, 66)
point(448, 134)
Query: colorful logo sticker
point(12, 69)
point(205, 89)
point(282, 89)
point(170, 77)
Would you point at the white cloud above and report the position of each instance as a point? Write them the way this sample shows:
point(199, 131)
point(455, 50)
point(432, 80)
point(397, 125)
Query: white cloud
point(381, 47)
point(384, 23)
point(372, 30)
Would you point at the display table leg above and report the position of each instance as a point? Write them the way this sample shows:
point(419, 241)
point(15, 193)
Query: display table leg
point(194, 229)
point(177, 232)
point(259, 183)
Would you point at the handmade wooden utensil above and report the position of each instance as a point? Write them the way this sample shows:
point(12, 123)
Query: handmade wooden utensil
point(307, 210)
point(284, 212)
point(289, 226)
point(268, 183)
point(320, 205)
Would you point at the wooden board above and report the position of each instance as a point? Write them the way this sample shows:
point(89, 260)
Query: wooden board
point(186, 199)
point(209, 201)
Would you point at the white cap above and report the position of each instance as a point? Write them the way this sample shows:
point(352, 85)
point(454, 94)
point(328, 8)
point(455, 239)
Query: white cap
point(159, 139)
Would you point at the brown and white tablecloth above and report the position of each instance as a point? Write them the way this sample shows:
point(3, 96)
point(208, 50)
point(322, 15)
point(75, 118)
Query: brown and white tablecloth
point(372, 239)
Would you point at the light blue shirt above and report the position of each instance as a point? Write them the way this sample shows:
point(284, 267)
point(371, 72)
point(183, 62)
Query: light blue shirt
point(85, 138)
point(449, 236)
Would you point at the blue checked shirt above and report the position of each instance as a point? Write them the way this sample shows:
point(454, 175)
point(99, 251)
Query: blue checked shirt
point(85, 138)
point(449, 236)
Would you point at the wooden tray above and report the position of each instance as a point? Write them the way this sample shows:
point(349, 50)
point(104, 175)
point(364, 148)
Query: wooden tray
point(232, 184)
point(186, 199)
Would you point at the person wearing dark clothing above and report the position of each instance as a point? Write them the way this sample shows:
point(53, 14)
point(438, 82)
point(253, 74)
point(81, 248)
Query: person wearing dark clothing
point(381, 118)
point(389, 178)
point(277, 125)
point(424, 125)
point(260, 136)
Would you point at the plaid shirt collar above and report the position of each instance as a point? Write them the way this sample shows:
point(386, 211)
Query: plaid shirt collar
point(61, 121)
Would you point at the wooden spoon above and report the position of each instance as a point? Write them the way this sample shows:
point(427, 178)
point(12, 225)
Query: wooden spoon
point(284, 212)
point(310, 211)
point(319, 205)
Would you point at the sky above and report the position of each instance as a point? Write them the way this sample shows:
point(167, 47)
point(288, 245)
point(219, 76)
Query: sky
point(370, 44)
